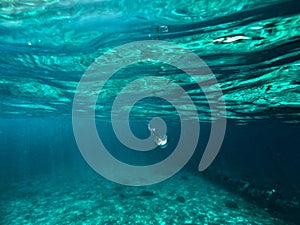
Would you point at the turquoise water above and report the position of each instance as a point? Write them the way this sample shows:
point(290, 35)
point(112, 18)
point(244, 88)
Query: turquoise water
point(251, 48)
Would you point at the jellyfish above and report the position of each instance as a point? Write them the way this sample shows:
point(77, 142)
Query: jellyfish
point(162, 142)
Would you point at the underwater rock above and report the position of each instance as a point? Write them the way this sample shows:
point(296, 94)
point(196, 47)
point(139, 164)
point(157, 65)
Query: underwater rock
point(271, 199)
point(118, 188)
point(27, 217)
point(183, 177)
point(180, 199)
point(122, 195)
point(147, 193)
point(231, 204)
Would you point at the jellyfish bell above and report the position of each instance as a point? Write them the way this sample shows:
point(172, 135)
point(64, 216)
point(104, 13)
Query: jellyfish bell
point(161, 141)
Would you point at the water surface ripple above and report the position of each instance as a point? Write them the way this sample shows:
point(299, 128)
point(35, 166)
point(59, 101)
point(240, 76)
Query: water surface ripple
point(252, 47)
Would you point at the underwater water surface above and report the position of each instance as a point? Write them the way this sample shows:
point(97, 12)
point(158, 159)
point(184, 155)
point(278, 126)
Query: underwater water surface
point(251, 47)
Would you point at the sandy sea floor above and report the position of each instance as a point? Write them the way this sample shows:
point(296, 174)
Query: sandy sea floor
point(87, 198)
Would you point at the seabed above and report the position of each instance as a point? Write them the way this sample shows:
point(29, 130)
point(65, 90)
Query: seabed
point(87, 198)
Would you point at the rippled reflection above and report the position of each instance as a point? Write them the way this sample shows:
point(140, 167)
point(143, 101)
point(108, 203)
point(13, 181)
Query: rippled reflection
point(252, 48)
